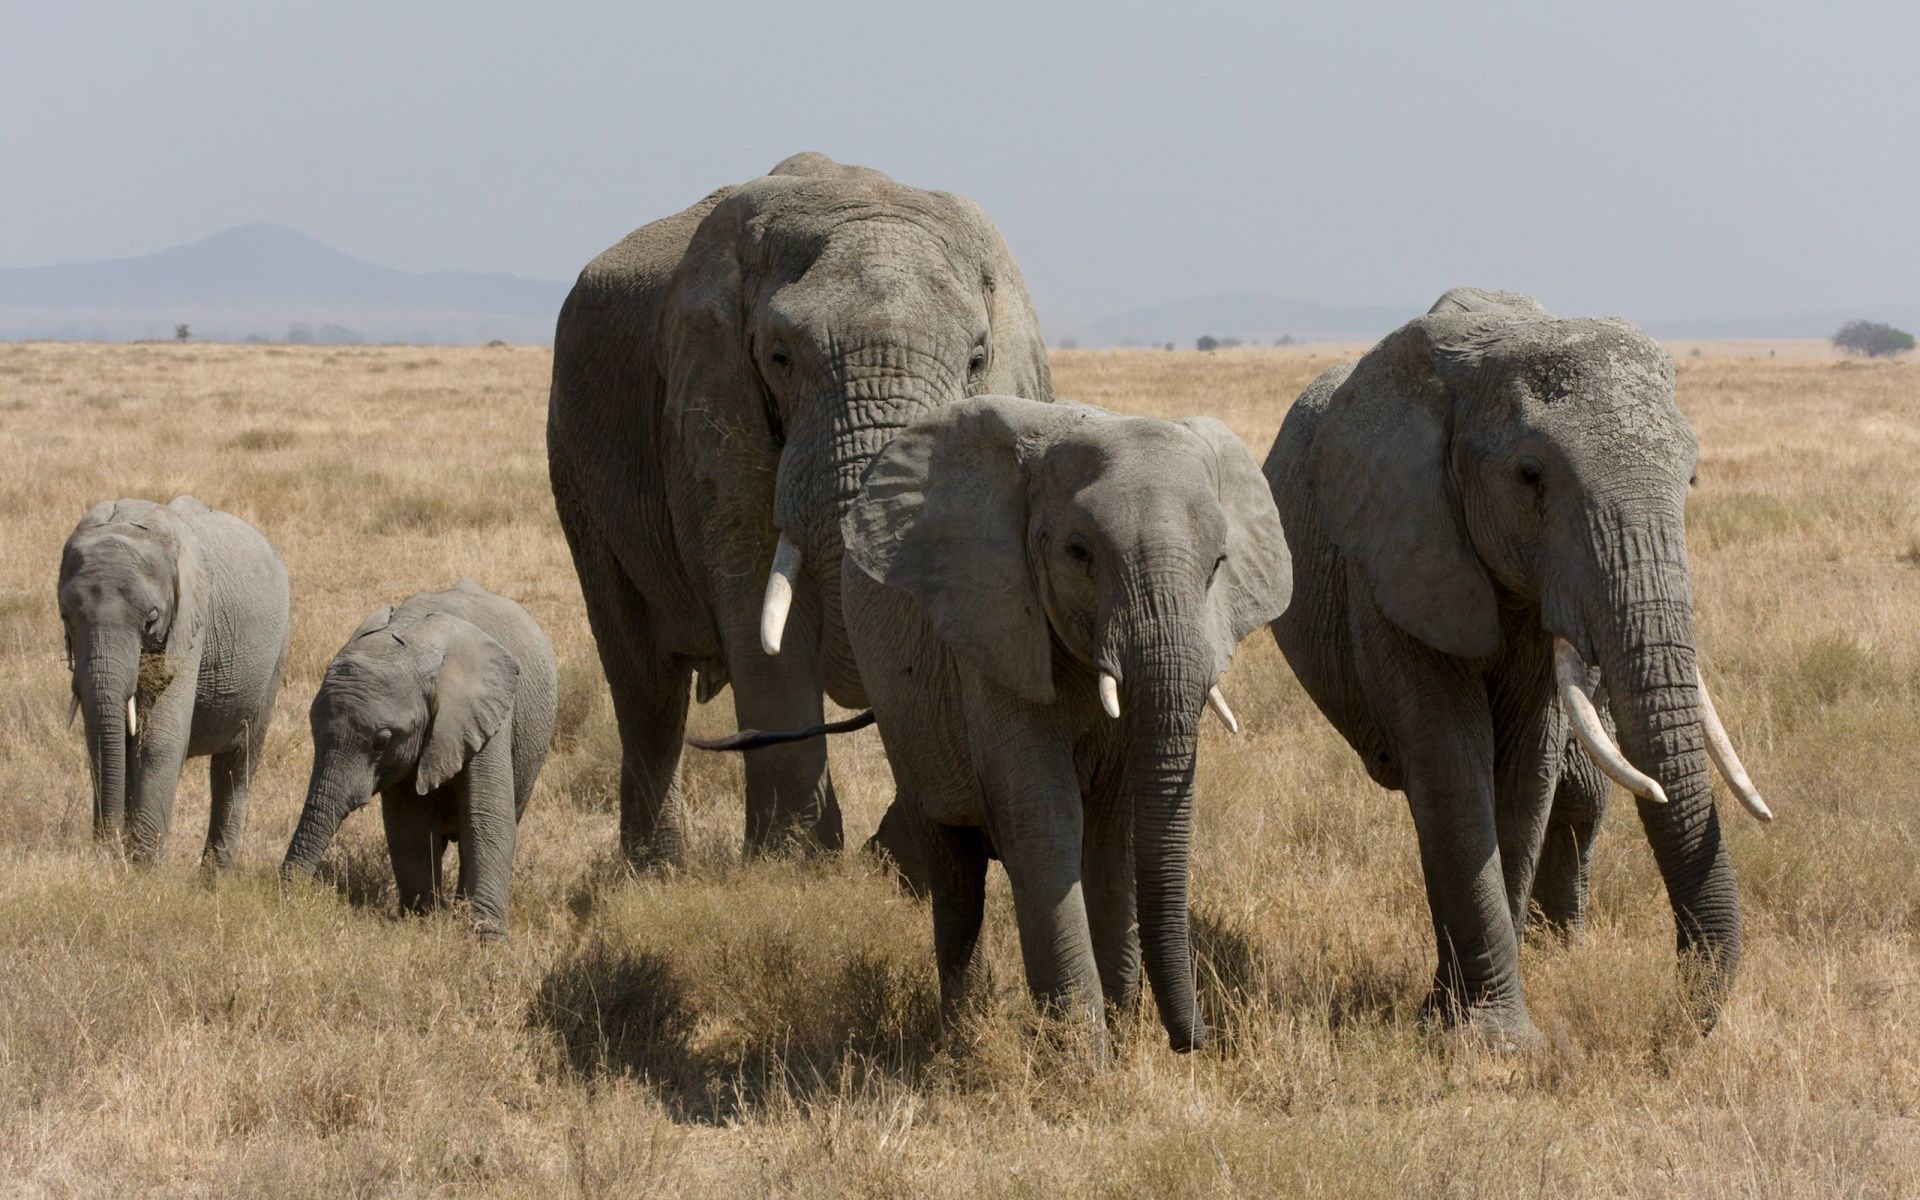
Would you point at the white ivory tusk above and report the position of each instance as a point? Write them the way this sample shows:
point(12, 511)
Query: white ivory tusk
point(1218, 703)
point(1570, 673)
point(1110, 695)
point(133, 722)
point(73, 710)
point(779, 598)
point(1725, 760)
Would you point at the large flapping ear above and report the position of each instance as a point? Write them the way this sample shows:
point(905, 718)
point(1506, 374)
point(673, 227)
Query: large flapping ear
point(942, 517)
point(379, 619)
point(471, 696)
point(1380, 476)
point(1255, 582)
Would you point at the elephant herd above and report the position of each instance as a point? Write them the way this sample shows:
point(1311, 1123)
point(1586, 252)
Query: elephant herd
point(803, 442)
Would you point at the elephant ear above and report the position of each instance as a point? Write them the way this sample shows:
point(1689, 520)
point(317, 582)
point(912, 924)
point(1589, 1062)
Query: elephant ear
point(942, 517)
point(1379, 471)
point(472, 692)
point(379, 619)
point(1482, 300)
point(1255, 583)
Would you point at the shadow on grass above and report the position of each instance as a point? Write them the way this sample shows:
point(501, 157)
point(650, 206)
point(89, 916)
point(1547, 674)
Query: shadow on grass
point(713, 1055)
point(1236, 979)
point(362, 875)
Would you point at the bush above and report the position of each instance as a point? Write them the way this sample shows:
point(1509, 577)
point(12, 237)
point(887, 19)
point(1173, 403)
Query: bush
point(1206, 343)
point(1872, 339)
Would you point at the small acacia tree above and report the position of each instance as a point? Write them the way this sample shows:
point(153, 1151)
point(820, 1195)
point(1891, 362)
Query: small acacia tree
point(1872, 339)
point(182, 332)
point(1205, 342)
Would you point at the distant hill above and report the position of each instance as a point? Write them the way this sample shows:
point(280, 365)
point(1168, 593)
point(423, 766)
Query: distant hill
point(1252, 317)
point(276, 284)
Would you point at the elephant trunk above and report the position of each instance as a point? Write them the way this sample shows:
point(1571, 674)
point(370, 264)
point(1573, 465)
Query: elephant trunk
point(106, 676)
point(1167, 674)
point(861, 400)
point(336, 787)
point(1647, 655)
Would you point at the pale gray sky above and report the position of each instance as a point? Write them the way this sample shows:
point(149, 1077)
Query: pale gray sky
point(1653, 160)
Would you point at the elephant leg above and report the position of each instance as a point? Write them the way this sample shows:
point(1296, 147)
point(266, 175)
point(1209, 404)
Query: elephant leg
point(1433, 711)
point(956, 862)
point(1529, 732)
point(161, 753)
point(230, 776)
point(1107, 871)
point(1561, 886)
point(1033, 806)
point(790, 796)
point(487, 832)
point(415, 845)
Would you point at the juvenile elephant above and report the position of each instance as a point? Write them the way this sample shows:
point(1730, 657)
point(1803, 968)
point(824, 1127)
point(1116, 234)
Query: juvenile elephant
point(445, 706)
point(1484, 510)
point(1042, 598)
point(176, 631)
point(721, 378)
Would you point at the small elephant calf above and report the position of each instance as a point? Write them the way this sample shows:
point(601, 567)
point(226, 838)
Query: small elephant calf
point(445, 706)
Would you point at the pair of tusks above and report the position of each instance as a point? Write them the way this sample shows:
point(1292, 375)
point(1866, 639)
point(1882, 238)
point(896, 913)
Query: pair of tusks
point(1110, 701)
point(1570, 674)
point(133, 720)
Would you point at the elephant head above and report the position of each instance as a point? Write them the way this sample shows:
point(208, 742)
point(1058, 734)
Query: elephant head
point(1059, 549)
point(844, 305)
point(404, 700)
point(132, 599)
point(1488, 455)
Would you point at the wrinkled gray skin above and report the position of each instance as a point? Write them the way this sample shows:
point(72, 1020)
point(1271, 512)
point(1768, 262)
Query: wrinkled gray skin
point(1000, 554)
point(1486, 478)
point(444, 706)
point(203, 597)
point(725, 374)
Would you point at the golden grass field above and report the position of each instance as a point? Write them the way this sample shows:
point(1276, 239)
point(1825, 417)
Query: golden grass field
point(769, 1028)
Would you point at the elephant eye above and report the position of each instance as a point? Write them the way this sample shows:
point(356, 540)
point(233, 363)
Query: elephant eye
point(978, 361)
point(153, 619)
point(1528, 469)
point(384, 736)
point(1217, 563)
point(780, 357)
point(1078, 552)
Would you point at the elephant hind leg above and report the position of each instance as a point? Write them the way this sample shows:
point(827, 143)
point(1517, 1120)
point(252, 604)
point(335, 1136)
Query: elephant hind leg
point(956, 868)
point(230, 776)
point(1561, 886)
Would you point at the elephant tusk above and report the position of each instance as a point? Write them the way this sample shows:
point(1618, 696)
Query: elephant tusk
point(73, 710)
point(133, 722)
point(1570, 673)
point(1110, 695)
point(1218, 703)
point(1725, 760)
point(779, 599)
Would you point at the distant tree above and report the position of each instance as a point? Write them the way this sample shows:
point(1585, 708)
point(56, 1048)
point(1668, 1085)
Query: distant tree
point(1169, 345)
point(1872, 339)
point(300, 333)
point(182, 332)
point(1228, 343)
point(338, 335)
point(1069, 344)
point(1285, 339)
point(1206, 342)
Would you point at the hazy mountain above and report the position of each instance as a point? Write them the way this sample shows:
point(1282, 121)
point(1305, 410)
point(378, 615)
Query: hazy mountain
point(1252, 317)
point(268, 281)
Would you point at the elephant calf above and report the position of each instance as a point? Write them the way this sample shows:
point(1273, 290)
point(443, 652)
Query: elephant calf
point(176, 629)
point(445, 706)
point(1042, 598)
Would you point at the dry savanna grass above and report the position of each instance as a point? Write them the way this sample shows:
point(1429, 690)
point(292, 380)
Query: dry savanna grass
point(769, 1027)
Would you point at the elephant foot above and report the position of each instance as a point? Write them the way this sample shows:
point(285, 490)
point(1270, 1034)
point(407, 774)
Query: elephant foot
point(1503, 1027)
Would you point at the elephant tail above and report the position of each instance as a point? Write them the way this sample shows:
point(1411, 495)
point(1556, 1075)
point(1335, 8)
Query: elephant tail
point(753, 739)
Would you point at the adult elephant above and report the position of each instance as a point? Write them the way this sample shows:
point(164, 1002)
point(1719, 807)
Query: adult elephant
point(1483, 511)
point(721, 379)
point(176, 628)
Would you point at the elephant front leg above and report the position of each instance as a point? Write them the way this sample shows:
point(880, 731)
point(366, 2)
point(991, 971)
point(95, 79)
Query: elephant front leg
point(956, 874)
point(159, 753)
point(487, 833)
point(1529, 732)
point(1107, 872)
point(790, 795)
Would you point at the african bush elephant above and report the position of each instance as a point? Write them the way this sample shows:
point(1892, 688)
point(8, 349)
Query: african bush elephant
point(1013, 569)
point(1484, 509)
point(176, 632)
point(721, 379)
point(445, 706)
